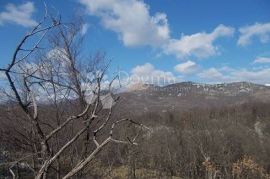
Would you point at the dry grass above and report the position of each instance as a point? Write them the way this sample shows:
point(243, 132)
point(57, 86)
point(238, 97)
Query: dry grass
point(122, 172)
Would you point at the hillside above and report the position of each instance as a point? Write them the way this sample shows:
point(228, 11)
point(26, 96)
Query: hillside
point(185, 95)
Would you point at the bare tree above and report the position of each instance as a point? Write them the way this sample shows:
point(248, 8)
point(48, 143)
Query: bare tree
point(57, 79)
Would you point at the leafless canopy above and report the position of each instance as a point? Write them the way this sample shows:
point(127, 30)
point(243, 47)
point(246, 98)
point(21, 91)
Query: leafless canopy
point(40, 78)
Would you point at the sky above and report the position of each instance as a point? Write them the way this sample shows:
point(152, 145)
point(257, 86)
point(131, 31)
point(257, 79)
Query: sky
point(210, 41)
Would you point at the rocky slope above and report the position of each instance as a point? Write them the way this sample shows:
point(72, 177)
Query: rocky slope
point(181, 96)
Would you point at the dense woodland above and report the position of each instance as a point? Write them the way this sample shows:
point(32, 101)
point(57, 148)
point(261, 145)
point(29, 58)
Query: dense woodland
point(208, 143)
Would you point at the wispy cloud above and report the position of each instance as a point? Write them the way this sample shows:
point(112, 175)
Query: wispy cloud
point(215, 75)
point(262, 60)
point(84, 29)
point(212, 75)
point(188, 67)
point(257, 30)
point(2, 75)
point(20, 14)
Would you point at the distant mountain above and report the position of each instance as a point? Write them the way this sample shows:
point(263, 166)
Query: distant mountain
point(181, 96)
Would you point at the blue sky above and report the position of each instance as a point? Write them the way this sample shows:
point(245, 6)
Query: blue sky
point(206, 41)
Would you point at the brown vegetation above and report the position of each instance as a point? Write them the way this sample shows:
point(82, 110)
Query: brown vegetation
point(53, 121)
point(54, 126)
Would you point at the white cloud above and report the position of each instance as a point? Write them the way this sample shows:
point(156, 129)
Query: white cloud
point(258, 30)
point(60, 56)
point(226, 69)
point(20, 14)
point(262, 60)
point(188, 67)
point(2, 75)
point(84, 29)
point(214, 75)
point(147, 74)
point(131, 20)
point(257, 76)
point(57, 54)
point(199, 45)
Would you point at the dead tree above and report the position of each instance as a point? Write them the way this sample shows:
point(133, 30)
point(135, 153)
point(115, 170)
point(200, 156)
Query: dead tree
point(56, 79)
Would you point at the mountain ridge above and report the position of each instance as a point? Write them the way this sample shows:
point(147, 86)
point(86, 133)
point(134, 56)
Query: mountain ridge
point(186, 95)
